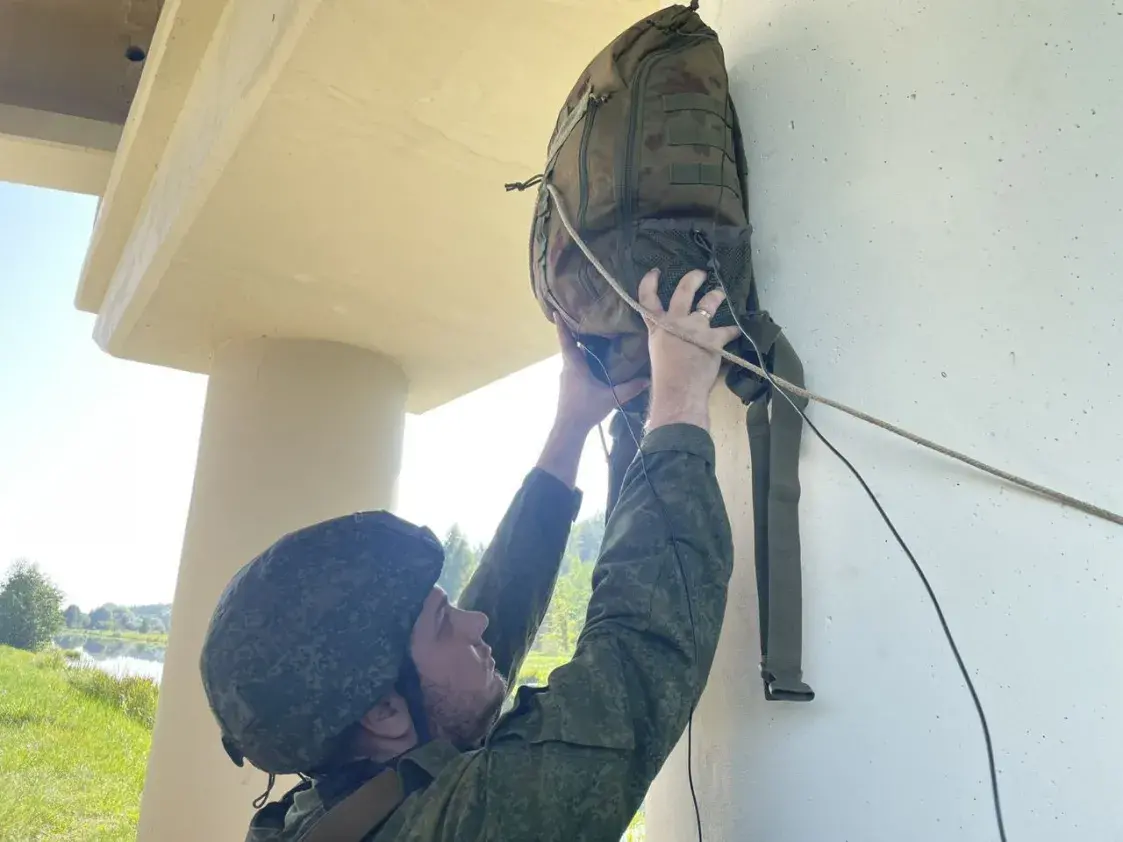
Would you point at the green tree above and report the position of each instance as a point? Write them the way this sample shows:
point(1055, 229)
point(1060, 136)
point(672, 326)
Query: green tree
point(566, 615)
point(585, 539)
point(75, 618)
point(125, 619)
point(30, 607)
point(461, 562)
point(161, 613)
point(101, 618)
point(152, 625)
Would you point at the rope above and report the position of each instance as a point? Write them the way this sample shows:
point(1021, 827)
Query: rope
point(797, 391)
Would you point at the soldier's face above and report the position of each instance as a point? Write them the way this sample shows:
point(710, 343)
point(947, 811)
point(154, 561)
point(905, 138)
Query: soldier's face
point(462, 690)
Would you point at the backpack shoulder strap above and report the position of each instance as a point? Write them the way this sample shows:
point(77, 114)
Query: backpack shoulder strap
point(620, 457)
point(360, 812)
point(626, 428)
point(774, 451)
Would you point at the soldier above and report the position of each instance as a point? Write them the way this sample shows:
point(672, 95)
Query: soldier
point(334, 654)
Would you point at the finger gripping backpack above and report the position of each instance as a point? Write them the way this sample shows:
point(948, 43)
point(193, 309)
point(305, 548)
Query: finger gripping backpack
point(648, 160)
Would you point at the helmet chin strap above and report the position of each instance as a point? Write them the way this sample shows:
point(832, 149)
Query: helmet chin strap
point(409, 688)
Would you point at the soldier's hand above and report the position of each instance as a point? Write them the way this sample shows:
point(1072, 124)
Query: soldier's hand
point(583, 400)
point(682, 374)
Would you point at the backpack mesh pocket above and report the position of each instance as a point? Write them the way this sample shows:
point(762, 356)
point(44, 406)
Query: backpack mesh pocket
point(679, 246)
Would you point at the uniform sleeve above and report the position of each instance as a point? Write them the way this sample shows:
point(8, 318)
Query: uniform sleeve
point(517, 573)
point(573, 760)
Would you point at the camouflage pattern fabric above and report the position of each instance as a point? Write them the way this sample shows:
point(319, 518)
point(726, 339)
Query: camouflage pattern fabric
point(311, 633)
point(573, 760)
point(648, 159)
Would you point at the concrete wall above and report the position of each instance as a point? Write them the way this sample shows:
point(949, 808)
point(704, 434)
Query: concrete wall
point(294, 432)
point(57, 151)
point(937, 198)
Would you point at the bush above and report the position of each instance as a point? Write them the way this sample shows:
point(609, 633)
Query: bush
point(52, 659)
point(30, 608)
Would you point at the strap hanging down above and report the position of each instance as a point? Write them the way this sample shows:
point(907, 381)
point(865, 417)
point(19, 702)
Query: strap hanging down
point(774, 450)
point(625, 428)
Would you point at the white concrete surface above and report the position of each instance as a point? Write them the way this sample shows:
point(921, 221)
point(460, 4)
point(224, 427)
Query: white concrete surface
point(318, 170)
point(182, 32)
point(937, 198)
point(58, 151)
point(294, 432)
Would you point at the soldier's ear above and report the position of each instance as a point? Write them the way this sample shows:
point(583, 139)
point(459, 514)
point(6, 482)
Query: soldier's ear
point(388, 720)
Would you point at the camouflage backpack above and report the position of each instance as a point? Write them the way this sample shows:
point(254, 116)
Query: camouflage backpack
point(648, 159)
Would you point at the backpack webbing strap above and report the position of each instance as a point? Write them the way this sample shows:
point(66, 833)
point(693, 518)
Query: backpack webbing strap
point(702, 174)
point(360, 812)
point(691, 102)
point(774, 450)
point(689, 133)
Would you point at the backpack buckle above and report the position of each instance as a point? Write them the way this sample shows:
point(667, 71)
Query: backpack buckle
point(785, 687)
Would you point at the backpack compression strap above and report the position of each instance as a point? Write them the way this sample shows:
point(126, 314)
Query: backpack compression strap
point(774, 450)
point(360, 812)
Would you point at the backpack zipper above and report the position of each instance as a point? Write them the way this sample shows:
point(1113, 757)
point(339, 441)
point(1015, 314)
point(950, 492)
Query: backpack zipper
point(583, 182)
point(582, 157)
point(635, 118)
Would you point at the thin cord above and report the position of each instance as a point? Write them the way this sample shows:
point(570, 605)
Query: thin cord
point(762, 371)
point(717, 275)
point(943, 625)
point(682, 572)
point(916, 566)
point(799, 391)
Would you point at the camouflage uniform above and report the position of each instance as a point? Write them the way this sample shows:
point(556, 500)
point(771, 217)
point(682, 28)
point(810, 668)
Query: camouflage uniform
point(573, 760)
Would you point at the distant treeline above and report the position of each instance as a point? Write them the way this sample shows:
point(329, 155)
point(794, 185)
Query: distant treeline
point(144, 619)
point(557, 635)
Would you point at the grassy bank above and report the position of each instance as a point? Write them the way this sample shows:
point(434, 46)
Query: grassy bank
point(73, 748)
point(135, 637)
point(74, 743)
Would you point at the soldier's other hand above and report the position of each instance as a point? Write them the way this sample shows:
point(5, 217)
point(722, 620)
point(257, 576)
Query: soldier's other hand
point(583, 400)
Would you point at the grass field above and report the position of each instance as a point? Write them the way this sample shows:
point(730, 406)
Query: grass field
point(74, 743)
point(73, 748)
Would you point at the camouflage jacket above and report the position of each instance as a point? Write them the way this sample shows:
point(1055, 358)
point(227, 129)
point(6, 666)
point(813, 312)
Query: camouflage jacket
point(573, 760)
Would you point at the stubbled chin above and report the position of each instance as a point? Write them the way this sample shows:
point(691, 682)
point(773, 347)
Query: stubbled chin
point(491, 716)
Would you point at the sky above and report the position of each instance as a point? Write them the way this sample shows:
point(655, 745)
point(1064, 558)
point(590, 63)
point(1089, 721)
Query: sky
point(97, 454)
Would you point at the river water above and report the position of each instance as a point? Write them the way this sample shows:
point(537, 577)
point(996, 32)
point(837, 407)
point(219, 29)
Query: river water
point(117, 657)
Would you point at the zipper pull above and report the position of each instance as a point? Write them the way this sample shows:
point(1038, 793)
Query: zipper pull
point(703, 242)
point(524, 185)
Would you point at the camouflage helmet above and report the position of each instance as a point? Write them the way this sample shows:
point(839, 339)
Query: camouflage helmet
point(309, 635)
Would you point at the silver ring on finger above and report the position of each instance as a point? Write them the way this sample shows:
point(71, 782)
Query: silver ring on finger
point(704, 312)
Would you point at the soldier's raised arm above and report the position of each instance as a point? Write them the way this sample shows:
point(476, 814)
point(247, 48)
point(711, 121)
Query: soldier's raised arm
point(574, 759)
point(517, 573)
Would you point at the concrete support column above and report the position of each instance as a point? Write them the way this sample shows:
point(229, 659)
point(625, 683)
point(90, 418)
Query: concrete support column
point(937, 196)
point(294, 432)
